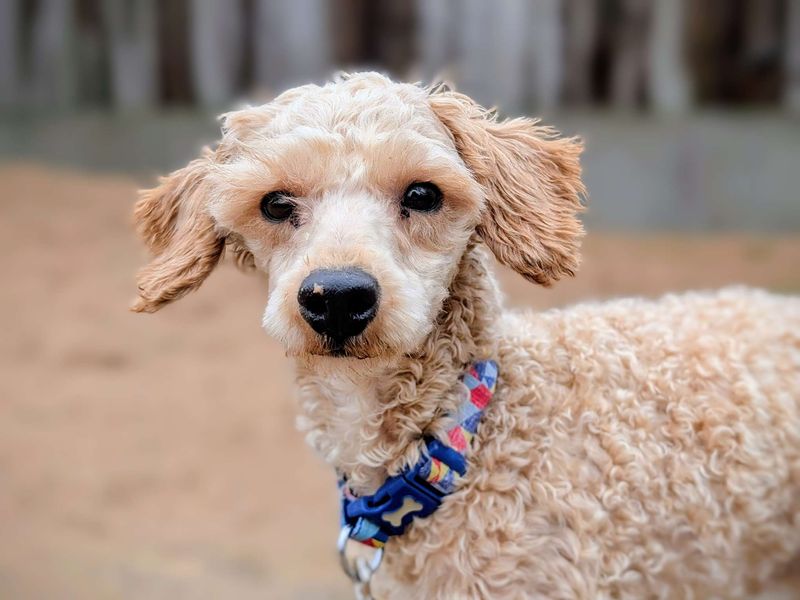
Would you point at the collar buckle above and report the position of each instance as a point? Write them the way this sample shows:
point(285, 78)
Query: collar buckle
point(391, 509)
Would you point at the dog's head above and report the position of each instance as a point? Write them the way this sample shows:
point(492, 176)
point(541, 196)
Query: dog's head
point(358, 200)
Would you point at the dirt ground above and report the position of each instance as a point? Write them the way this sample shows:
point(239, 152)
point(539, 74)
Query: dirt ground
point(156, 456)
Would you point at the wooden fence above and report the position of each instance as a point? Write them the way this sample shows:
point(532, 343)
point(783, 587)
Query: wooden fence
point(667, 55)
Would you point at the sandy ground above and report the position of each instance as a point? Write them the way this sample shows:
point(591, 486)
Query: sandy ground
point(156, 456)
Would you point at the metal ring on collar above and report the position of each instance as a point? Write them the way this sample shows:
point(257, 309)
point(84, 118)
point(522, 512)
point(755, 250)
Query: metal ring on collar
point(358, 570)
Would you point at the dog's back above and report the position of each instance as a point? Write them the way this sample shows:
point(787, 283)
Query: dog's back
point(665, 437)
point(636, 449)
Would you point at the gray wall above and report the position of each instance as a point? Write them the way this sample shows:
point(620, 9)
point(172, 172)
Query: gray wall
point(704, 171)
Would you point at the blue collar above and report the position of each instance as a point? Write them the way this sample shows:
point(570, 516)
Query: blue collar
point(418, 491)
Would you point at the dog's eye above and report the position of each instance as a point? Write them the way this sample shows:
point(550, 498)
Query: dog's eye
point(277, 206)
point(424, 197)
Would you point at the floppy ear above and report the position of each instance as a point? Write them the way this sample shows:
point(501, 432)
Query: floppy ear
point(173, 222)
point(533, 186)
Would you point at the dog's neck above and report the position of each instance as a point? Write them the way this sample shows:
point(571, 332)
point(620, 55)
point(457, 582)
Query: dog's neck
point(368, 420)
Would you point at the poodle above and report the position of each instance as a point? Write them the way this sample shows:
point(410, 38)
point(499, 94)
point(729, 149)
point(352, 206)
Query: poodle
point(632, 449)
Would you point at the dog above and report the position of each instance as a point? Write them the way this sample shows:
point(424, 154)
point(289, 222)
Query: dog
point(632, 449)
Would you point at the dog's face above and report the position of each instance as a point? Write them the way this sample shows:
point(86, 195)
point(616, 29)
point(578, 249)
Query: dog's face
point(354, 201)
point(358, 200)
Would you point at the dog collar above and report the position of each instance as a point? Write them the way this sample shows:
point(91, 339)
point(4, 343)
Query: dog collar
point(418, 491)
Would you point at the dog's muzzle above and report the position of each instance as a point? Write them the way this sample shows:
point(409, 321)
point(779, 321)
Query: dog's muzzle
point(338, 304)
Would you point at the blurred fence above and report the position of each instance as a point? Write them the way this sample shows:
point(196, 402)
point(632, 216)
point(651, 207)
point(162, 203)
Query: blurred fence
point(663, 54)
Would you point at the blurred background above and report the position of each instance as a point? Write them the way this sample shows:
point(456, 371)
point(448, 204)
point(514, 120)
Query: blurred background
point(156, 456)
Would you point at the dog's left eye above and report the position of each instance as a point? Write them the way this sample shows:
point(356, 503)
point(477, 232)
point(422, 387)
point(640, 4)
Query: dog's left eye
point(424, 197)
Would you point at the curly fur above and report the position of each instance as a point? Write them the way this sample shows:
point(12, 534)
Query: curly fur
point(173, 222)
point(533, 184)
point(634, 449)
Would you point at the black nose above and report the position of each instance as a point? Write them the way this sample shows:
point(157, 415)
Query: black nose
point(338, 303)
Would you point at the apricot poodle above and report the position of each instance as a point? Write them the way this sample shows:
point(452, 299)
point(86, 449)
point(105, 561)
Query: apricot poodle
point(633, 449)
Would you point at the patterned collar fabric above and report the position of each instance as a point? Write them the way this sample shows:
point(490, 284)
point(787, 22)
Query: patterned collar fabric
point(418, 491)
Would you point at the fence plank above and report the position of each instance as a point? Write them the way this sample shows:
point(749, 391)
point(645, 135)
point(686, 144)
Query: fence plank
point(292, 42)
point(52, 64)
point(580, 40)
point(629, 51)
point(9, 52)
point(668, 81)
point(436, 38)
point(792, 57)
point(489, 70)
point(131, 30)
point(545, 35)
point(217, 35)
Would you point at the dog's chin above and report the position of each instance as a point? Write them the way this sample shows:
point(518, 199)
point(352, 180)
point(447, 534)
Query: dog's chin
point(355, 354)
point(332, 362)
point(365, 350)
point(342, 352)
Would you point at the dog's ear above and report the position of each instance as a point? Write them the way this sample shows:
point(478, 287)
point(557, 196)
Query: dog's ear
point(533, 186)
point(173, 222)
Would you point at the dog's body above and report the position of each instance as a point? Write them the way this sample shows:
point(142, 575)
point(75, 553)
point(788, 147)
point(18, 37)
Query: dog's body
point(635, 449)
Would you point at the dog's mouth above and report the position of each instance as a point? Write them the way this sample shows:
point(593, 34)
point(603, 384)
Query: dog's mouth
point(342, 354)
point(344, 349)
point(341, 351)
point(325, 347)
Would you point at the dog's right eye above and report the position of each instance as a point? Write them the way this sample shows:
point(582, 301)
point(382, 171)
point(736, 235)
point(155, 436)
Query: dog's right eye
point(277, 206)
